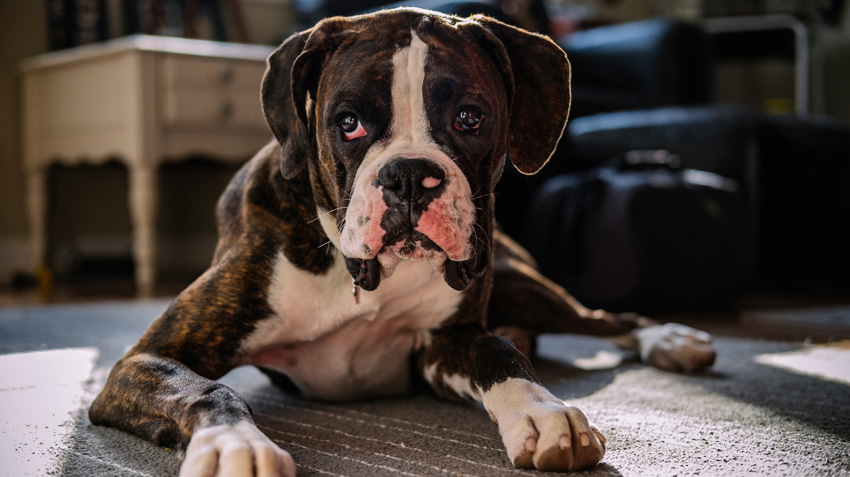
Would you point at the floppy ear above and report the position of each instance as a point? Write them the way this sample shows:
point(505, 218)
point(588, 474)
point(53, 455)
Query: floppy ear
point(537, 76)
point(292, 73)
point(279, 106)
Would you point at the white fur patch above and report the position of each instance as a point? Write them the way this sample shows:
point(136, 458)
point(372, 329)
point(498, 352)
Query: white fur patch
point(241, 446)
point(676, 347)
point(541, 431)
point(511, 395)
point(461, 385)
point(410, 121)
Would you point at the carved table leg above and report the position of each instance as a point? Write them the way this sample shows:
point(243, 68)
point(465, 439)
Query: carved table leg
point(37, 201)
point(144, 200)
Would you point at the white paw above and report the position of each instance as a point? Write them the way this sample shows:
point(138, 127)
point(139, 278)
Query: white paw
point(541, 431)
point(239, 450)
point(675, 347)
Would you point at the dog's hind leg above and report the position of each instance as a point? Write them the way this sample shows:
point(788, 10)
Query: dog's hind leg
point(523, 298)
point(524, 304)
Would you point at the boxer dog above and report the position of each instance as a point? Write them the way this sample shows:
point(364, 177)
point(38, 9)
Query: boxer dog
point(358, 254)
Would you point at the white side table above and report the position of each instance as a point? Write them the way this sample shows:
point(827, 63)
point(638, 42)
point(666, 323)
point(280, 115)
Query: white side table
point(142, 100)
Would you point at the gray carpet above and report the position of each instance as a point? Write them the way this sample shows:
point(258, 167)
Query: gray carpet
point(756, 413)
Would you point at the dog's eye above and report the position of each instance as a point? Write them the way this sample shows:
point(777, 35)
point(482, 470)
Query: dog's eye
point(351, 127)
point(469, 120)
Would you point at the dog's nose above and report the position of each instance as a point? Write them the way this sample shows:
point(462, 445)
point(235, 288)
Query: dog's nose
point(411, 179)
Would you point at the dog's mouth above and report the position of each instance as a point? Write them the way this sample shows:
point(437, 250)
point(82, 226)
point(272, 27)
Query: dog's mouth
point(416, 247)
point(441, 236)
point(368, 272)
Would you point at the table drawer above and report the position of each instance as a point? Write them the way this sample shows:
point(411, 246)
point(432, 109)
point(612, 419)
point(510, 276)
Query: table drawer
point(206, 92)
point(197, 71)
point(210, 108)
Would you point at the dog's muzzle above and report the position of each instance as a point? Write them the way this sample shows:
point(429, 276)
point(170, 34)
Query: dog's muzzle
point(409, 209)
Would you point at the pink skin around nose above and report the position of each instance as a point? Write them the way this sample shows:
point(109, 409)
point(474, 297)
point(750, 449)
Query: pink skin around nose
point(430, 182)
point(448, 222)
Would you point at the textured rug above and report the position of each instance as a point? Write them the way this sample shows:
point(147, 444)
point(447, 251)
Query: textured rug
point(766, 408)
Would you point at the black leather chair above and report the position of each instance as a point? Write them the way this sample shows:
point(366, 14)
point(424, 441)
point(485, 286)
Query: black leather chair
point(638, 65)
point(792, 170)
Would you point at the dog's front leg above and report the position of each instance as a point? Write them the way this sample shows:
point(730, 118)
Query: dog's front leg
point(162, 400)
point(538, 429)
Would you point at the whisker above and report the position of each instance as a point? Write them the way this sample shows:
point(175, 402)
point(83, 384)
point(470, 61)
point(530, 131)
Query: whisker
point(326, 213)
point(486, 243)
point(491, 194)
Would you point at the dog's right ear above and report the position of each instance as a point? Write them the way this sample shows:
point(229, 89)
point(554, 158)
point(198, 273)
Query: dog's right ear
point(280, 108)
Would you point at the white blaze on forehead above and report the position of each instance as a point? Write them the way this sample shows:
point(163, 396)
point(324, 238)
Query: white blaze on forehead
point(410, 122)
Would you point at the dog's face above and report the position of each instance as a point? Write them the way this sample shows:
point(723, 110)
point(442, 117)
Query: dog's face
point(404, 120)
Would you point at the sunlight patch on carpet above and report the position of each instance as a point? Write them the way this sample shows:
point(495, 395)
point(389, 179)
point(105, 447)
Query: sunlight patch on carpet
point(826, 362)
point(40, 395)
point(601, 360)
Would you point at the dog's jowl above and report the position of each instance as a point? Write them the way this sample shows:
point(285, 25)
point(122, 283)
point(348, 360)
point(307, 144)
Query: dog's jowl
point(361, 242)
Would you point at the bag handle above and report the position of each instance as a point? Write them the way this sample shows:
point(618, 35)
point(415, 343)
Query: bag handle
point(642, 159)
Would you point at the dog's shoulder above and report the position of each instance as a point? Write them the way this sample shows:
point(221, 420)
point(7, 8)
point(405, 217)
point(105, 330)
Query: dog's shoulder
point(261, 210)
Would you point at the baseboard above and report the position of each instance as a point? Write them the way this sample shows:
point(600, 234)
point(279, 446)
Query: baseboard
point(175, 254)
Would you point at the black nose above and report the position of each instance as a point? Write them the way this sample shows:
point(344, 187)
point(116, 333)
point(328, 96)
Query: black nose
point(417, 180)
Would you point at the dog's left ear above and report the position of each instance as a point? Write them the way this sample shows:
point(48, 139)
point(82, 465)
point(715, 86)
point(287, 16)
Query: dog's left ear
point(537, 76)
point(292, 76)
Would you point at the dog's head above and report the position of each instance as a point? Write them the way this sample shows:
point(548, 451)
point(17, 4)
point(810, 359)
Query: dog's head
point(404, 120)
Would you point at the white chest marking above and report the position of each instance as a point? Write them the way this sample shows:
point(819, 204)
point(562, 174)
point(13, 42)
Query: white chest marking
point(333, 348)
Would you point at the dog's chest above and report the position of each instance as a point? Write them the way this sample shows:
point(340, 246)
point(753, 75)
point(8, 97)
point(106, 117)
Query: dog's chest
point(332, 347)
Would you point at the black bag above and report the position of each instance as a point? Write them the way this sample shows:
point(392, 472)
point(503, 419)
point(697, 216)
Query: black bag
point(644, 235)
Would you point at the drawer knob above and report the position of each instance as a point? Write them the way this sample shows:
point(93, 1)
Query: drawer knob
point(225, 74)
point(225, 110)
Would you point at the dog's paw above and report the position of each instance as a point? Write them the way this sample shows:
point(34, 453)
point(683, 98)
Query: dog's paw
point(541, 431)
point(675, 347)
point(238, 450)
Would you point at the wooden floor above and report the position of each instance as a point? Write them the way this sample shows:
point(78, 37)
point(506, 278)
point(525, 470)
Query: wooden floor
point(88, 289)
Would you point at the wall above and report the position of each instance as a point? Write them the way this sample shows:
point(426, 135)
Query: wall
point(768, 83)
point(22, 34)
point(836, 69)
